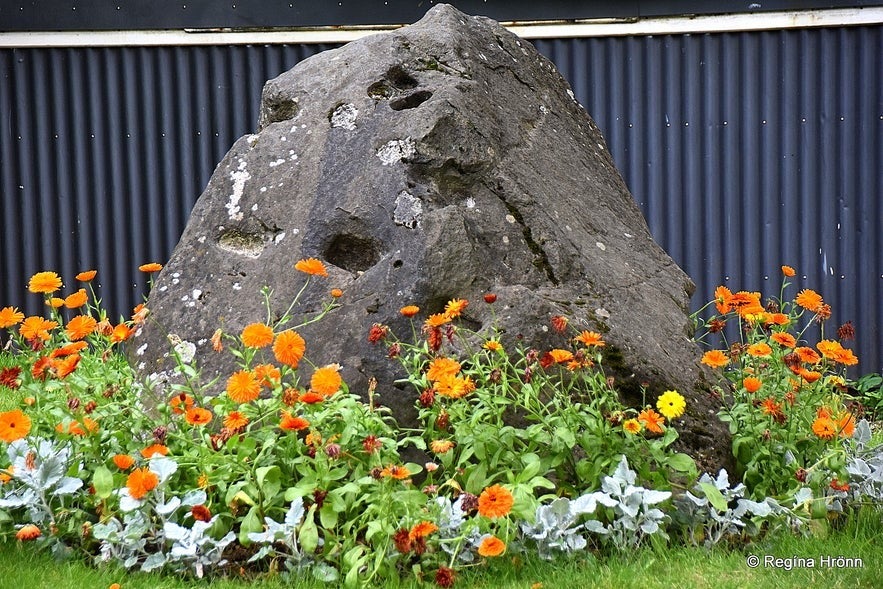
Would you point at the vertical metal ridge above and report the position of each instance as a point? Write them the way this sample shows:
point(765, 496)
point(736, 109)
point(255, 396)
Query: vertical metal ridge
point(732, 144)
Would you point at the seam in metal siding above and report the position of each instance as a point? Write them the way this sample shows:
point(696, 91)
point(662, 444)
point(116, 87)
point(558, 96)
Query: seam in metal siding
point(744, 150)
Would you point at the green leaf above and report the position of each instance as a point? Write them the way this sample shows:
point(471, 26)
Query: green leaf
point(681, 462)
point(250, 523)
point(102, 480)
point(477, 478)
point(309, 534)
point(269, 479)
point(328, 516)
point(714, 496)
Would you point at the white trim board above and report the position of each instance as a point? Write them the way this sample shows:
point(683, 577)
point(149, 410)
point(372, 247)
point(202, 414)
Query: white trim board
point(676, 25)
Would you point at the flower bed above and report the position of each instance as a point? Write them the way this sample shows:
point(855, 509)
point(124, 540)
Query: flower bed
point(522, 449)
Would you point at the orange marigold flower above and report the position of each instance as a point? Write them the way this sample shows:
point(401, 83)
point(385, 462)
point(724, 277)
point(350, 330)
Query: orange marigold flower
point(652, 421)
point(77, 299)
point(27, 533)
point(6, 474)
point(243, 387)
point(326, 380)
point(153, 450)
point(140, 313)
point(395, 471)
point(824, 428)
point(788, 271)
point(561, 356)
point(198, 416)
point(441, 446)
point(715, 359)
point(150, 268)
point(455, 387)
point(777, 319)
point(846, 357)
point(810, 376)
point(69, 349)
point(495, 501)
point(632, 426)
point(180, 403)
point(121, 333)
point(55, 302)
point(807, 355)
point(770, 407)
point(722, 296)
point(752, 384)
point(422, 529)
point(268, 375)
point(311, 266)
point(256, 335)
point(846, 424)
point(441, 367)
point(235, 421)
point(44, 282)
point(409, 310)
point(289, 348)
point(436, 320)
point(809, 299)
point(123, 461)
point(41, 367)
point(455, 307)
point(64, 366)
point(759, 349)
point(86, 276)
point(34, 328)
point(289, 422)
point(491, 546)
point(80, 327)
point(784, 339)
point(590, 339)
point(311, 398)
point(10, 316)
point(140, 482)
point(14, 425)
point(336, 293)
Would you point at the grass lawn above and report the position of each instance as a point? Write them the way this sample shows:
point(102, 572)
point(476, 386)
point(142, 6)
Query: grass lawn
point(23, 568)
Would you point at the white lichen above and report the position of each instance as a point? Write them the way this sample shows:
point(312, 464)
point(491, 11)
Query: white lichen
point(344, 117)
point(408, 210)
point(396, 150)
point(239, 176)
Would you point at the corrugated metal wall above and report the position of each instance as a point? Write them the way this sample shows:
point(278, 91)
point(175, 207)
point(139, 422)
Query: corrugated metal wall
point(745, 151)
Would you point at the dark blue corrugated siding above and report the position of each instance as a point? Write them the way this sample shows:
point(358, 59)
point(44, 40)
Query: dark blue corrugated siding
point(745, 151)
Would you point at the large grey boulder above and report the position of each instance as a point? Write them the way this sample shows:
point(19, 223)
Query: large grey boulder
point(444, 159)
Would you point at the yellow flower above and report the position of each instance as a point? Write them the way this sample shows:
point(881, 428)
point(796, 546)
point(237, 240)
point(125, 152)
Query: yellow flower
point(632, 426)
point(671, 404)
point(455, 307)
point(492, 345)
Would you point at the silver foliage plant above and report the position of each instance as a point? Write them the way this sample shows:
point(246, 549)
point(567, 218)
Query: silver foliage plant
point(38, 481)
point(151, 535)
point(628, 515)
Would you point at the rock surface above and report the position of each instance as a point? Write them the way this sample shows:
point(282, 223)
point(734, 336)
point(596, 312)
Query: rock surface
point(446, 159)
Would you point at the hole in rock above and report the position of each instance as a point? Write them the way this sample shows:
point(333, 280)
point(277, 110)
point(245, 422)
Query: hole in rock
point(397, 264)
point(281, 109)
point(380, 90)
point(400, 78)
point(241, 242)
point(411, 101)
point(352, 252)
